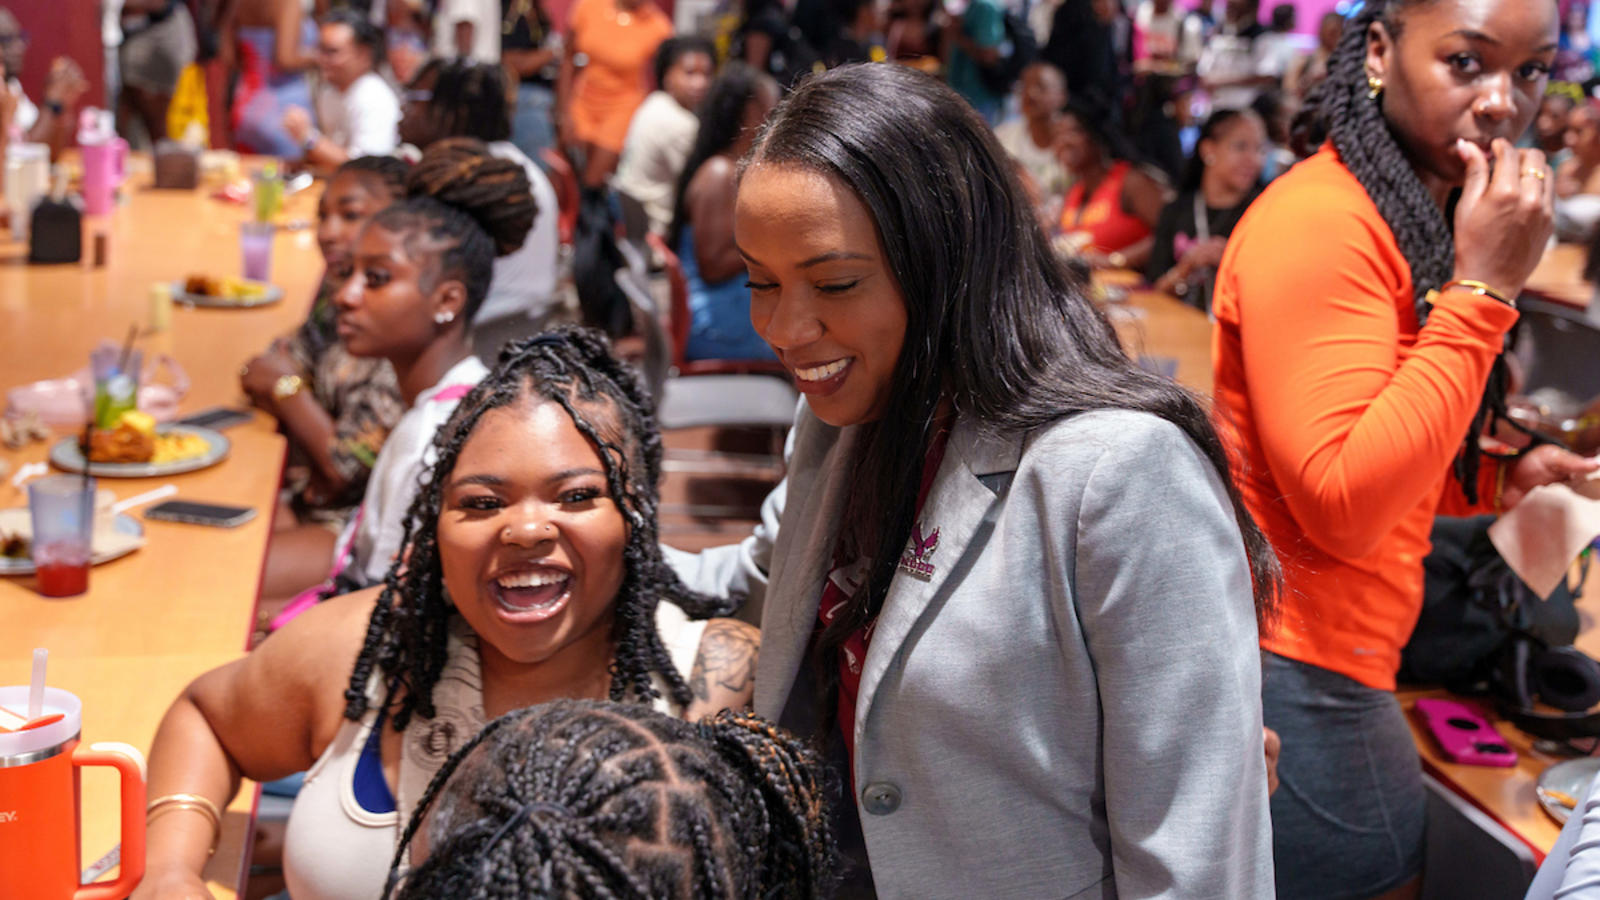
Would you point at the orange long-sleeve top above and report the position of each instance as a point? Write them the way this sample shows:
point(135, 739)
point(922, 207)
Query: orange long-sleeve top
point(1345, 416)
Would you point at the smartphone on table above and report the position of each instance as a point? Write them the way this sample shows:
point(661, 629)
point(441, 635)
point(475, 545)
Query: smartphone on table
point(193, 513)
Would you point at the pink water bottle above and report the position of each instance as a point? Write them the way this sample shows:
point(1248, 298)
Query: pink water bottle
point(105, 158)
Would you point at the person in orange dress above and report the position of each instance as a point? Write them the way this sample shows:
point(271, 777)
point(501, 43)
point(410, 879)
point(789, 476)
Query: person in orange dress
point(618, 40)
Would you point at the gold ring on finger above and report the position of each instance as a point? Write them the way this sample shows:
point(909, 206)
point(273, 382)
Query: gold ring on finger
point(1537, 173)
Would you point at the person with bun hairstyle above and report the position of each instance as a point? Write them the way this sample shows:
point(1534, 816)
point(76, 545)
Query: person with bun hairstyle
point(336, 409)
point(577, 798)
point(1012, 583)
point(417, 276)
point(530, 571)
point(1361, 309)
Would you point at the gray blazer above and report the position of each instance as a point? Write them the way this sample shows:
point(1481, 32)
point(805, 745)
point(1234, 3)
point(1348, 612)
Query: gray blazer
point(1062, 694)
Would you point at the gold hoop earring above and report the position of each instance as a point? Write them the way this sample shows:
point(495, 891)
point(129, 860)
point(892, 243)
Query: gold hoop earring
point(1374, 87)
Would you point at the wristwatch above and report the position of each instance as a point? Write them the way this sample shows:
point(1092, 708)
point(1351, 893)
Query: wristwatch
point(287, 386)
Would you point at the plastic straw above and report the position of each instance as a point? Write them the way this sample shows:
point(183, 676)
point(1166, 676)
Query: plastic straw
point(36, 688)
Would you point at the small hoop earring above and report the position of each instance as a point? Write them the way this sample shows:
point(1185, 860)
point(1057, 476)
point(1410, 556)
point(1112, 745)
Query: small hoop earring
point(1374, 87)
point(444, 317)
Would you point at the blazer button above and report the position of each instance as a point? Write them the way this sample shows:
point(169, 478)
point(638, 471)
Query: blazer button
point(880, 798)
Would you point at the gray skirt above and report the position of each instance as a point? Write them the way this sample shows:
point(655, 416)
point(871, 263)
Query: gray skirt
point(1348, 816)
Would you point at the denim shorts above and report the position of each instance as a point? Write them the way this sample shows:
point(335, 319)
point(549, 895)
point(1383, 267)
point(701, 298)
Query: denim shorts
point(1349, 813)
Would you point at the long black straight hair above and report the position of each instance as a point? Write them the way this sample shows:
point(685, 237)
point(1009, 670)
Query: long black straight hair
point(994, 322)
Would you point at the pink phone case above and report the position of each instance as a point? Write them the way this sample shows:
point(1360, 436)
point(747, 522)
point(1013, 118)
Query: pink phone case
point(1465, 735)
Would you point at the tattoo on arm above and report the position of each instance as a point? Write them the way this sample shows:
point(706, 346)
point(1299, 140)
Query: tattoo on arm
point(726, 660)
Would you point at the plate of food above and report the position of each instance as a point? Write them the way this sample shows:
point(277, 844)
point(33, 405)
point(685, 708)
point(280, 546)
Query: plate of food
point(225, 293)
point(115, 536)
point(1564, 785)
point(139, 448)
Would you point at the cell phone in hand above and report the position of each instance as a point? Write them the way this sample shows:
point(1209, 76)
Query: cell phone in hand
point(192, 513)
point(217, 418)
point(1464, 735)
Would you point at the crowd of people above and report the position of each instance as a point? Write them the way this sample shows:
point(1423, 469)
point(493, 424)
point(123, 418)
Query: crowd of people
point(1011, 575)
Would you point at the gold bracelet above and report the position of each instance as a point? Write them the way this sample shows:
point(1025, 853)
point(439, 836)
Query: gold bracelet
point(162, 805)
point(1500, 487)
point(1478, 287)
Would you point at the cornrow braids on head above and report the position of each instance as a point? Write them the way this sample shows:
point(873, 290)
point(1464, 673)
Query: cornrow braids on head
point(467, 207)
point(1348, 114)
point(590, 799)
point(609, 405)
point(388, 171)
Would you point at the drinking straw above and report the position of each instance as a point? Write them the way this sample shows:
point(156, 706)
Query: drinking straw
point(160, 493)
point(36, 688)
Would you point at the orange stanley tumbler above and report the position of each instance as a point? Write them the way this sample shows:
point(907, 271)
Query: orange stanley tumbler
point(39, 816)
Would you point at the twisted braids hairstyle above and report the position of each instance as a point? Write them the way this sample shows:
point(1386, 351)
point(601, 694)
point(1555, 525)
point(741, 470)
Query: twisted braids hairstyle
point(721, 123)
point(465, 208)
point(598, 800)
point(470, 99)
point(994, 322)
point(610, 406)
point(1341, 109)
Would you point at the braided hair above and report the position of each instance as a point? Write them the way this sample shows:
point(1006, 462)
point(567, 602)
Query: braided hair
point(465, 206)
point(610, 406)
point(1341, 108)
point(596, 800)
point(469, 99)
point(389, 171)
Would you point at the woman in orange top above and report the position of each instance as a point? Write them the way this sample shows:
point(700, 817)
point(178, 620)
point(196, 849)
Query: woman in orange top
point(594, 106)
point(1111, 211)
point(1355, 339)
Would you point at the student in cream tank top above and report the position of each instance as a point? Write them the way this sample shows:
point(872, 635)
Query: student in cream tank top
point(528, 575)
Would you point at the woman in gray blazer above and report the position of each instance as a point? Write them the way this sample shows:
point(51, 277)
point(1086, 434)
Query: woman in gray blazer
point(1013, 587)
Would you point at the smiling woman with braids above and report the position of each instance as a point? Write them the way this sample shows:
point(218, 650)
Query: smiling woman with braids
point(526, 577)
point(593, 800)
point(1362, 306)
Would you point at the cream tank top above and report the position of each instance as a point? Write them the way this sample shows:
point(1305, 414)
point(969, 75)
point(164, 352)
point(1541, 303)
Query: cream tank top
point(335, 850)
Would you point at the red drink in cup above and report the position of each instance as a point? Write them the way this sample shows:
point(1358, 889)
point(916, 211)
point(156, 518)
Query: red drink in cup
point(62, 569)
point(62, 510)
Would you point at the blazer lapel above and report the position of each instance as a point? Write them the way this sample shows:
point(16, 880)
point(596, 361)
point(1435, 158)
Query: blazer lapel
point(971, 480)
point(802, 558)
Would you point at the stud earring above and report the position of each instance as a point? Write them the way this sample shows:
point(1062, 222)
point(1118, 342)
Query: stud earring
point(1374, 87)
point(444, 317)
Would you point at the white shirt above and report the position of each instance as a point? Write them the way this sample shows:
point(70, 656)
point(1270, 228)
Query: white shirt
point(1041, 163)
point(525, 281)
point(1228, 55)
point(402, 464)
point(1177, 35)
point(485, 18)
point(659, 139)
point(27, 115)
point(364, 119)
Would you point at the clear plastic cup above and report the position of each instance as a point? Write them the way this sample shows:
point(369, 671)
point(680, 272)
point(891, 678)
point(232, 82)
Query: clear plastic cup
point(255, 246)
point(62, 509)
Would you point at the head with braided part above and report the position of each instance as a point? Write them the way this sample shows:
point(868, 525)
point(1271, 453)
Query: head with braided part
point(537, 525)
point(463, 99)
point(358, 190)
point(598, 800)
point(1407, 80)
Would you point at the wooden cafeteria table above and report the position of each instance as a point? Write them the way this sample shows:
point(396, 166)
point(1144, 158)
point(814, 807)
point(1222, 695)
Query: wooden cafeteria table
point(184, 603)
point(1559, 276)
